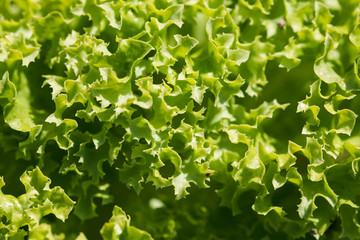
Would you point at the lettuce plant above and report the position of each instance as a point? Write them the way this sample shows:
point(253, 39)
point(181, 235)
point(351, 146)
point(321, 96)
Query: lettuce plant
point(184, 119)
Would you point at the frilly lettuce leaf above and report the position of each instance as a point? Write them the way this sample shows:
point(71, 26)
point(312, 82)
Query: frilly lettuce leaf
point(29, 208)
point(119, 227)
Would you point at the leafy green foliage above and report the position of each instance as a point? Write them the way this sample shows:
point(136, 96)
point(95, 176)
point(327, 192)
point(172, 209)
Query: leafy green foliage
point(29, 208)
point(201, 119)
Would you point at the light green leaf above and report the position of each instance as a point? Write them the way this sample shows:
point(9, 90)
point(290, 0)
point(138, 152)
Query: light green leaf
point(310, 191)
point(18, 114)
point(29, 208)
point(355, 36)
point(7, 90)
point(119, 227)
